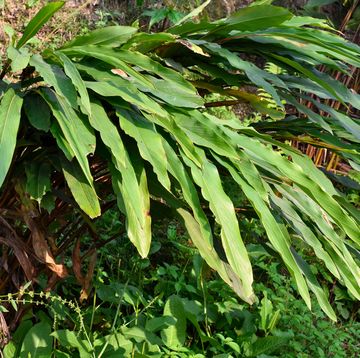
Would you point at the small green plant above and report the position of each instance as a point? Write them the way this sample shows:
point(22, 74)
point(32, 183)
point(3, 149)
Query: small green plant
point(166, 16)
point(167, 310)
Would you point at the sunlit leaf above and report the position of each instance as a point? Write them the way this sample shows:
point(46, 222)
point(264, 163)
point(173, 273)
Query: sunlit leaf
point(10, 108)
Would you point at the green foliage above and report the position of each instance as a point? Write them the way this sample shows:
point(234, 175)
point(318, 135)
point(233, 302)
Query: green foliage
point(38, 21)
point(9, 123)
point(158, 15)
point(310, 334)
point(143, 317)
point(125, 107)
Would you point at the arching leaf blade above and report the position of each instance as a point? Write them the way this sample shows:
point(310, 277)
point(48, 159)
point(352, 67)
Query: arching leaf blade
point(73, 73)
point(54, 76)
point(220, 204)
point(129, 181)
point(38, 21)
point(276, 231)
point(83, 192)
point(78, 137)
point(109, 36)
point(150, 143)
point(10, 112)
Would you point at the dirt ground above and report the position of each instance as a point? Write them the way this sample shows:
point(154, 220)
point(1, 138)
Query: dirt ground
point(79, 14)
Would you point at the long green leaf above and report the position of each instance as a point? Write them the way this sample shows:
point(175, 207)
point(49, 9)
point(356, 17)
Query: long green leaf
point(129, 182)
point(255, 74)
point(315, 286)
point(109, 36)
point(10, 108)
point(117, 57)
point(209, 181)
point(128, 93)
point(307, 72)
point(150, 143)
point(79, 137)
point(197, 225)
point(38, 21)
point(275, 230)
point(73, 73)
point(109, 58)
point(194, 12)
point(334, 244)
point(274, 161)
point(289, 212)
point(83, 192)
point(254, 18)
point(54, 76)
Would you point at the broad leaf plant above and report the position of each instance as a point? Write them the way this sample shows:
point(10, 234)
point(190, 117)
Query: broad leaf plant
point(118, 113)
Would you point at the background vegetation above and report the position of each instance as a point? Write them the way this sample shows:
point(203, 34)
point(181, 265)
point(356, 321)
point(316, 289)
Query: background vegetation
point(88, 292)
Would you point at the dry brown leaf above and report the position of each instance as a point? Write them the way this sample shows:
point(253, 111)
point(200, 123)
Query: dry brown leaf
point(19, 249)
point(41, 248)
point(85, 282)
point(85, 292)
point(4, 331)
point(76, 261)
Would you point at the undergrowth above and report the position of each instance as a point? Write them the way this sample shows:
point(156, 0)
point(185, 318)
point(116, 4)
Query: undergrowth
point(172, 305)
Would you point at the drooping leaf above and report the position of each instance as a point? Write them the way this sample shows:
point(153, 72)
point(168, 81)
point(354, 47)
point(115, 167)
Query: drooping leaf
point(79, 139)
point(150, 143)
point(74, 75)
point(55, 76)
point(108, 57)
point(128, 93)
point(129, 184)
point(135, 59)
point(38, 180)
point(333, 243)
point(305, 231)
point(275, 230)
point(315, 286)
point(172, 94)
point(61, 141)
point(10, 108)
point(220, 204)
point(197, 226)
point(83, 192)
point(307, 72)
point(255, 74)
point(143, 42)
